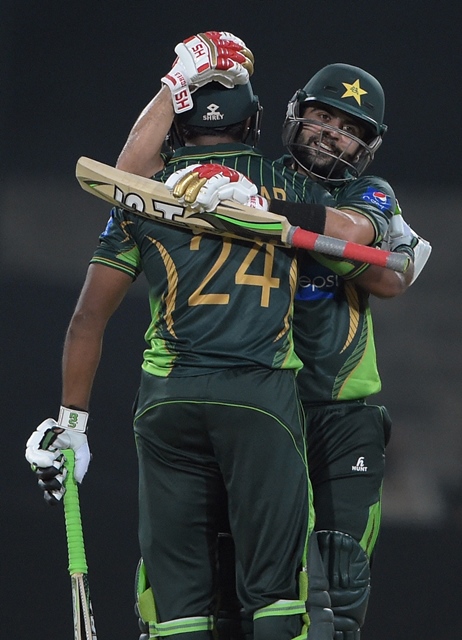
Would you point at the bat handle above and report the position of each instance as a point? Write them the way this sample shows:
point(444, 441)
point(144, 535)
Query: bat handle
point(398, 262)
point(74, 532)
point(347, 250)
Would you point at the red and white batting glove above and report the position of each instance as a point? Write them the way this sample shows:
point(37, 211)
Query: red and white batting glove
point(202, 187)
point(257, 202)
point(211, 56)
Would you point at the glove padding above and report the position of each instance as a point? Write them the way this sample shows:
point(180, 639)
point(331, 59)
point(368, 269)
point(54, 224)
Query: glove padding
point(51, 480)
point(44, 454)
point(401, 238)
point(211, 56)
point(202, 187)
point(257, 202)
point(400, 234)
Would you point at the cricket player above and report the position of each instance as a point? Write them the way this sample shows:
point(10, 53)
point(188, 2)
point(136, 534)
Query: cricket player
point(218, 420)
point(332, 130)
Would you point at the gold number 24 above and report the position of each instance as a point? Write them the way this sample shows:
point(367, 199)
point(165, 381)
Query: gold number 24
point(266, 281)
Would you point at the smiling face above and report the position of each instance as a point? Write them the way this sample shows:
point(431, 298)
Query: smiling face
point(326, 136)
point(334, 124)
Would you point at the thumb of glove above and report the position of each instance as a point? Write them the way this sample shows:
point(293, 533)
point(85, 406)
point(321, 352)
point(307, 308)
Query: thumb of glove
point(78, 442)
point(229, 83)
point(82, 461)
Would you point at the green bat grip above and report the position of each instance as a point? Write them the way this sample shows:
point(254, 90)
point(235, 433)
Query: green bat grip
point(74, 533)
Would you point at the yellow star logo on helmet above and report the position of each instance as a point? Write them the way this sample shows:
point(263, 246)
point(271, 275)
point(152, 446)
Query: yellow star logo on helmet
point(353, 91)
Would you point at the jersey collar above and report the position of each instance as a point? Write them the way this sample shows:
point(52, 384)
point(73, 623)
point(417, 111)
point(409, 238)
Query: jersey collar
point(218, 150)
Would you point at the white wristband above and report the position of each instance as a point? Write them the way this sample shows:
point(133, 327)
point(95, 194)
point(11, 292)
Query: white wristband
point(73, 419)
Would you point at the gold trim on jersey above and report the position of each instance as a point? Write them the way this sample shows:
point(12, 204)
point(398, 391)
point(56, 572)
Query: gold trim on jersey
point(293, 279)
point(352, 297)
point(172, 285)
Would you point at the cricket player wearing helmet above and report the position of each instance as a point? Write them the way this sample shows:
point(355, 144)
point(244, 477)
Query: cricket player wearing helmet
point(332, 130)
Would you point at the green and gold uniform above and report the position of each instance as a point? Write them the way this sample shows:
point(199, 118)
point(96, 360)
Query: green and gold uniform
point(346, 436)
point(218, 411)
point(333, 320)
point(333, 336)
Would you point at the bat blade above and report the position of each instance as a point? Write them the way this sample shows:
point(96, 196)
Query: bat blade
point(152, 199)
point(82, 609)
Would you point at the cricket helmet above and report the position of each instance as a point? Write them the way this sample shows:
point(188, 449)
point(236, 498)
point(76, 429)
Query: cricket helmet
point(353, 91)
point(216, 107)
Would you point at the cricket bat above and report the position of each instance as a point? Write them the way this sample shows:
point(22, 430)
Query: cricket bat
point(152, 199)
point(82, 610)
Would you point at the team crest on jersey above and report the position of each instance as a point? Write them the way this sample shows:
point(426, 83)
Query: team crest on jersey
point(377, 198)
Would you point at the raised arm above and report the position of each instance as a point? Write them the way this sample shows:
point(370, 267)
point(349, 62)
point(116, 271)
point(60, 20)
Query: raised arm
point(141, 153)
point(211, 56)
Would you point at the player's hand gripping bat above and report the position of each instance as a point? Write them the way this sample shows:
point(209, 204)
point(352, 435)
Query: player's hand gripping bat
point(81, 604)
point(152, 199)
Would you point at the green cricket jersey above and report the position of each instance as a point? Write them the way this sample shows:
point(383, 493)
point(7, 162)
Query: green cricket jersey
point(215, 302)
point(333, 329)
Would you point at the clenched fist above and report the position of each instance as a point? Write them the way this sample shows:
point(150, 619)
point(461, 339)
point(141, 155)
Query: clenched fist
point(216, 56)
point(203, 186)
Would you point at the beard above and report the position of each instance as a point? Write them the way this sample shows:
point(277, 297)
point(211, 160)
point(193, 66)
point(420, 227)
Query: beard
point(328, 163)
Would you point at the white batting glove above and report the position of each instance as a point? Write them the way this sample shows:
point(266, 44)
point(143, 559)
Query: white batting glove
point(211, 56)
point(202, 187)
point(402, 238)
point(44, 451)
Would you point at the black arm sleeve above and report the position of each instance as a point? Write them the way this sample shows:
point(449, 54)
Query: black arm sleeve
point(311, 217)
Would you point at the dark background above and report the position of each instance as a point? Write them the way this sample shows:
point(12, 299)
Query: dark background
point(73, 78)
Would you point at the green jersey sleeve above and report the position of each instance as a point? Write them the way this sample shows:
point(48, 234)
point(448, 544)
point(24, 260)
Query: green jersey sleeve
point(117, 247)
point(371, 196)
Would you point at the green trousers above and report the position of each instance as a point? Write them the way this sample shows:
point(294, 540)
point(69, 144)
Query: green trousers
point(229, 445)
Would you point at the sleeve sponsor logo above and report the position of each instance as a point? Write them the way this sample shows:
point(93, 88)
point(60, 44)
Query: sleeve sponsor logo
point(377, 198)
